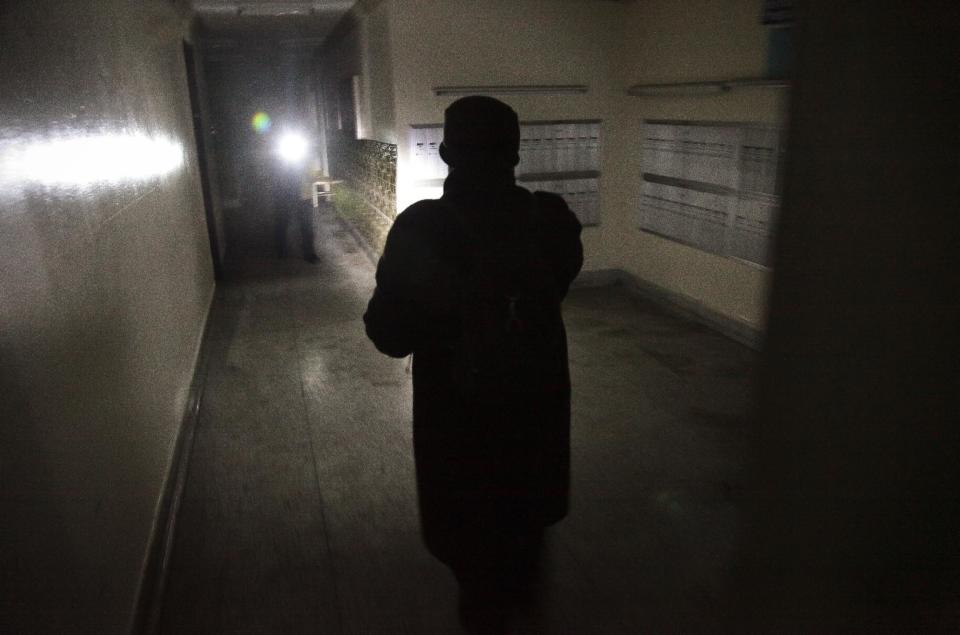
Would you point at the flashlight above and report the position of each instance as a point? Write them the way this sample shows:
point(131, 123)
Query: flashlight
point(292, 147)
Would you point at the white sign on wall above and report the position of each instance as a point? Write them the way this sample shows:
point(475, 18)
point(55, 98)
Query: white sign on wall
point(425, 153)
point(711, 185)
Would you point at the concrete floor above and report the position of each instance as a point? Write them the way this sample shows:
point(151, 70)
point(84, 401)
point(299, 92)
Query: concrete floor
point(299, 515)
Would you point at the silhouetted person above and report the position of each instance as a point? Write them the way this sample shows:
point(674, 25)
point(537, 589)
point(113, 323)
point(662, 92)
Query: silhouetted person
point(471, 285)
point(291, 201)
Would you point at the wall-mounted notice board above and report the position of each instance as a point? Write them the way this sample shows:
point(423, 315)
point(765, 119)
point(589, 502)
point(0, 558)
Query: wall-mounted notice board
point(712, 185)
point(562, 157)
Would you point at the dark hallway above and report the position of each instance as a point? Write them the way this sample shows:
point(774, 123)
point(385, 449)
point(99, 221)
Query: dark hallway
point(197, 435)
point(300, 511)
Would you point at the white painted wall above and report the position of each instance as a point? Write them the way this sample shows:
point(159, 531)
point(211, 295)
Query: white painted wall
point(105, 287)
point(528, 42)
point(362, 47)
point(608, 46)
point(666, 41)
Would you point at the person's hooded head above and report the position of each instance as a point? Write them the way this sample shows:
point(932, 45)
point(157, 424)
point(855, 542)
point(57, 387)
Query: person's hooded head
point(480, 133)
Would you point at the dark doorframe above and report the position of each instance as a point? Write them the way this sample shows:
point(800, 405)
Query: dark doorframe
point(203, 165)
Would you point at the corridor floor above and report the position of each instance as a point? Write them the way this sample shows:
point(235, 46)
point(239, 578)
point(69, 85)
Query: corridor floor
point(299, 514)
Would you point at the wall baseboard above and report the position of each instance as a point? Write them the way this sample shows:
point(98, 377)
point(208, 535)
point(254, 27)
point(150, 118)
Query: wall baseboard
point(146, 617)
point(677, 304)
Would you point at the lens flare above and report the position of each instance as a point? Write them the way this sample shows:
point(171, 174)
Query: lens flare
point(261, 122)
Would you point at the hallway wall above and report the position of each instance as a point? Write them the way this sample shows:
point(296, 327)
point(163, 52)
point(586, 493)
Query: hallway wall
point(206, 134)
point(106, 285)
point(468, 43)
point(530, 42)
point(665, 41)
point(607, 46)
point(361, 45)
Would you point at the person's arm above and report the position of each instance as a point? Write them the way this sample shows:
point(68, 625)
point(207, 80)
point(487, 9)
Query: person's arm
point(562, 229)
point(413, 301)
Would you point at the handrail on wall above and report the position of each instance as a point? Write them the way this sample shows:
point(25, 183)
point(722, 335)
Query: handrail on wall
point(715, 87)
point(572, 89)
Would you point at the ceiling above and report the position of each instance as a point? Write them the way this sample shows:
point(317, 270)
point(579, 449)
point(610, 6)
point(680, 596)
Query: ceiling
point(271, 7)
point(291, 23)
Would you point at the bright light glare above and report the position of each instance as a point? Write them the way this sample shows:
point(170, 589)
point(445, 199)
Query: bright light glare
point(84, 160)
point(292, 147)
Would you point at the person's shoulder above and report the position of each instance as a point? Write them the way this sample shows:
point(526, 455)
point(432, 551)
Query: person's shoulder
point(420, 214)
point(550, 201)
point(553, 209)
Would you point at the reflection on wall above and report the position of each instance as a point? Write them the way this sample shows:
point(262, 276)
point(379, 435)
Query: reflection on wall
point(83, 160)
point(106, 283)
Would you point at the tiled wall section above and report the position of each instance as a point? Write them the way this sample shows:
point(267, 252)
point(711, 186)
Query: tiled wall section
point(369, 169)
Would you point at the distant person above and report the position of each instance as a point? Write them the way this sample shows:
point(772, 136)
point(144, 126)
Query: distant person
point(471, 285)
point(292, 197)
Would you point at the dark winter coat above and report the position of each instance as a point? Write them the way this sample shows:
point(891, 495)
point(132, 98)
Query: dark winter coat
point(482, 464)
